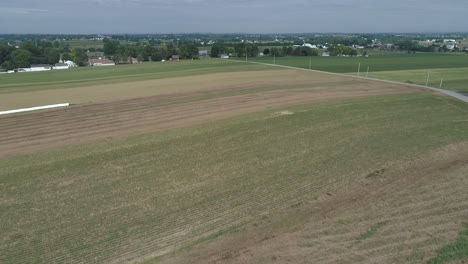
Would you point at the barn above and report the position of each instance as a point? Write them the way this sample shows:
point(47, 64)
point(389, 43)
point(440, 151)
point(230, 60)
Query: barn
point(40, 67)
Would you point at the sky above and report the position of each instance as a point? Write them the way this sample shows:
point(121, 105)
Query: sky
point(234, 16)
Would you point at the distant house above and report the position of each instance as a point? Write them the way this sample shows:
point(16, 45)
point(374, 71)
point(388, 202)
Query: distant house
point(61, 66)
point(310, 46)
point(134, 60)
point(224, 56)
point(70, 64)
point(40, 67)
point(203, 54)
point(23, 70)
point(325, 54)
point(95, 55)
point(101, 62)
point(175, 58)
point(451, 47)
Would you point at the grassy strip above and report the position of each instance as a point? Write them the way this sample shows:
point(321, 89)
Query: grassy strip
point(25, 82)
point(370, 232)
point(457, 250)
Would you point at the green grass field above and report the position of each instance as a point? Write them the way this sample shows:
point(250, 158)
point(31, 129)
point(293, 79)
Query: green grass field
point(24, 82)
point(411, 68)
point(164, 190)
point(155, 194)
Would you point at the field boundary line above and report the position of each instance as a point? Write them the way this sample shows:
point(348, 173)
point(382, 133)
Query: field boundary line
point(456, 95)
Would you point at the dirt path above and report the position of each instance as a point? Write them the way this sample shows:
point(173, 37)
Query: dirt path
point(27, 133)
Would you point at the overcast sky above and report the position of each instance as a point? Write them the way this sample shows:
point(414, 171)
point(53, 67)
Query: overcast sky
point(220, 16)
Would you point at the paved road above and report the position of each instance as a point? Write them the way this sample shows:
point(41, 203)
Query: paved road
point(456, 95)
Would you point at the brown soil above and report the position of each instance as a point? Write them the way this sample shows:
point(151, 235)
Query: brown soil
point(38, 131)
point(420, 206)
point(130, 90)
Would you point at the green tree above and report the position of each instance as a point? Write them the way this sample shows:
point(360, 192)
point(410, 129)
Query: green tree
point(51, 56)
point(252, 50)
point(21, 58)
point(266, 52)
point(217, 50)
point(240, 49)
point(5, 53)
point(66, 57)
point(111, 47)
point(79, 56)
point(277, 52)
point(188, 51)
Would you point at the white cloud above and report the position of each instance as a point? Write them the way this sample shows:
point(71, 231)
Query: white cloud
point(20, 11)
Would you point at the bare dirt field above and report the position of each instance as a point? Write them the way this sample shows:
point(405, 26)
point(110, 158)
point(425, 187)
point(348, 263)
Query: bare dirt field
point(137, 89)
point(212, 99)
point(402, 214)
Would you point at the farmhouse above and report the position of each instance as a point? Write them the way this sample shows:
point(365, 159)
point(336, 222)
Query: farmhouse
point(101, 62)
point(95, 55)
point(175, 58)
point(203, 54)
point(310, 46)
point(61, 66)
point(40, 67)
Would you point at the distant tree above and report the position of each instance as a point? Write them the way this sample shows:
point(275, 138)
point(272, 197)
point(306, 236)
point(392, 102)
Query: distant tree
point(277, 52)
point(56, 44)
point(66, 57)
point(20, 58)
point(5, 53)
point(157, 55)
point(252, 50)
point(188, 51)
point(266, 52)
point(217, 49)
point(79, 56)
point(111, 47)
point(240, 49)
point(31, 46)
point(51, 55)
point(147, 52)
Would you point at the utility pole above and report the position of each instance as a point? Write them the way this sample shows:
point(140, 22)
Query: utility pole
point(441, 82)
point(310, 63)
point(359, 70)
point(428, 75)
point(274, 59)
point(367, 74)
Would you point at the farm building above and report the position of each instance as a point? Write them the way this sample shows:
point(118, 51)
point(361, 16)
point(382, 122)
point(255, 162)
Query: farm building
point(101, 62)
point(134, 60)
point(61, 66)
point(310, 46)
point(175, 58)
point(40, 67)
point(70, 64)
point(95, 55)
point(224, 56)
point(23, 70)
point(203, 54)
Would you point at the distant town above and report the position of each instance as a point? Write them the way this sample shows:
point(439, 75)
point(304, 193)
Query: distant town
point(32, 53)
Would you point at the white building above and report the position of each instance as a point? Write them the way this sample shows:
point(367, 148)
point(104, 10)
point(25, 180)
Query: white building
point(310, 46)
point(101, 62)
point(40, 67)
point(61, 66)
